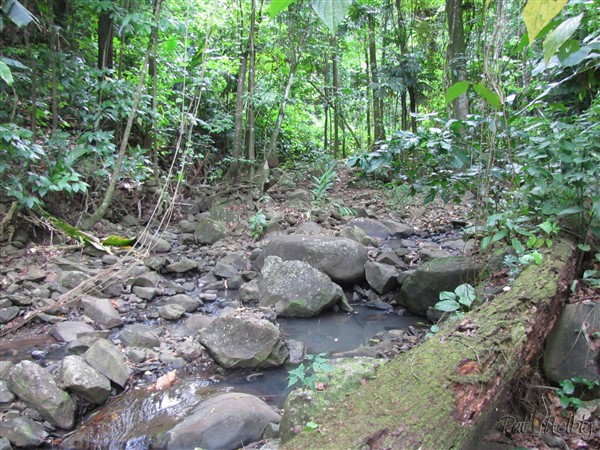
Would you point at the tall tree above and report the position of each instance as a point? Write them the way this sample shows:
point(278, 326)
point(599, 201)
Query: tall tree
point(456, 55)
point(106, 32)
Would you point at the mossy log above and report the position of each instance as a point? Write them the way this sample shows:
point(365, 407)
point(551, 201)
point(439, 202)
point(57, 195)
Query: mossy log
point(443, 393)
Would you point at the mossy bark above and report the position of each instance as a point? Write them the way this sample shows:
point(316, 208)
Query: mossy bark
point(442, 394)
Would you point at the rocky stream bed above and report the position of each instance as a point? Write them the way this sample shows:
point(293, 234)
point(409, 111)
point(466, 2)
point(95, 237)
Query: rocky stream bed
point(189, 345)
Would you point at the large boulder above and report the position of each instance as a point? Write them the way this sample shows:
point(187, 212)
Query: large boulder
point(382, 229)
point(342, 259)
point(81, 378)
point(224, 421)
point(107, 359)
point(244, 342)
point(381, 277)
point(23, 432)
point(422, 289)
point(343, 377)
point(570, 354)
point(295, 288)
point(209, 231)
point(36, 387)
point(101, 311)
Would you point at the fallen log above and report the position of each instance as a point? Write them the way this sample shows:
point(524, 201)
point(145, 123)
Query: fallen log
point(443, 393)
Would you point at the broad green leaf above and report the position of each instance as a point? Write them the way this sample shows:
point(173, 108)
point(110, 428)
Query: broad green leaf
point(447, 295)
point(584, 247)
point(117, 241)
point(332, 12)
point(492, 98)
point(17, 13)
point(6, 74)
point(447, 305)
point(13, 63)
point(171, 44)
point(277, 6)
point(518, 246)
point(456, 90)
point(538, 13)
point(560, 35)
point(546, 226)
point(571, 210)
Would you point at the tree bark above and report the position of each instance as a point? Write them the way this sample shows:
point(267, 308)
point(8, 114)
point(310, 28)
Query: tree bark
point(105, 40)
point(444, 393)
point(456, 55)
point(378, 131)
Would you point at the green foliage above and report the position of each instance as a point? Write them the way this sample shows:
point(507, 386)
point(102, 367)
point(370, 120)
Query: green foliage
point(307, 375)
point(459, 301)
point(257, 224)
point(322, 183)
point(567, 389)
point(592, 276)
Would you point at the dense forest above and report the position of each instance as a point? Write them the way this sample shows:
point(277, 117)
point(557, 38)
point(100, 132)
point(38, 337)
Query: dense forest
point(443, 98)
point(239, 119)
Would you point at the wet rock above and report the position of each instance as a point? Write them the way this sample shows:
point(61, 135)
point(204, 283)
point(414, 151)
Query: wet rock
point(382, 229)
point(79, 377)
point(171, 312)
point(73, 278)
point(567, 353)
point(341, 259)
point(244, 342)
point(403, 276)
point(136, 355)
point(392, 258)
point(295, 288)
point(67, 331)
point(209, 231)
point(107, 359)
point(8, 314)
point(23, 432)
point(380, 277)
point(101, 311)
point(421, 290)
point(169, 358)
point(224, 421)
point(5, 395)
point(38, 390)
point(188, 303)
point(145, 293)
point(189, 350)
point(185, 265)
point(139, 335)
point(344, 377)
point(154, 242)
point(4, 443)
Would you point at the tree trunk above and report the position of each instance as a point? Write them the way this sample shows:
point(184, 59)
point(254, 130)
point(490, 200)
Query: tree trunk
point(457, 61)
point(336, 98)
point(105, 40)
point(233, 173)
point(250, 113)
point(444, 393)
point(378, 132)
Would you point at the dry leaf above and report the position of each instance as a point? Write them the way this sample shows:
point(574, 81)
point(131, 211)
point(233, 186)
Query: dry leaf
point(164, 381)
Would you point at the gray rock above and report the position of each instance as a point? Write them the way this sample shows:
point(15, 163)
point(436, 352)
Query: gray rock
point(357, 234)
point(399, 230)
point(5, 444)
point(21, 300)
point(392, 258)
point(5, 367)
point(139, 335)
point(38, 390)
point(459, 245)
point(250, 291)
point(188, 303)
point(224, 421)
point(430, 252)
point(101, 311)
point(189, 351)
point(185, 265)
point(310, 228)
point(107, 359)
point(223, 270)
point(79, 377)
point(146, 279)
point(236, 260)
point(145, 293)
point(295, 288)
point(341, 259)
point(8, 314)
point(567, 353)
point(154, 243)
point(171, 312)
point(372, 228)
point(187, 226)
point(5, 395)
point(244, 342)
point(68, 331)
point(34, 274)
point(23, 432)
point(209, 231)
point(192, 325)
point(73, 278)
point(422, 288)
point(381, 277)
